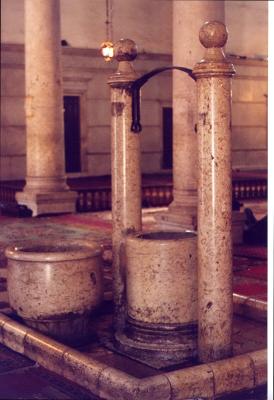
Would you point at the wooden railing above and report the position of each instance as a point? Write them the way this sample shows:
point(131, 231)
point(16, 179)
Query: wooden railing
point(94, 193)
point(250, 189)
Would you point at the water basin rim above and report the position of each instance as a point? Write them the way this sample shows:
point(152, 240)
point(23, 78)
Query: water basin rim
point(52, 252)
point(163, 235)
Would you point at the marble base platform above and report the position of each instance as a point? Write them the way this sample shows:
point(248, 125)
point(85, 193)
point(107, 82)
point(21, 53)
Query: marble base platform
point(109, 375)
point(48, 203)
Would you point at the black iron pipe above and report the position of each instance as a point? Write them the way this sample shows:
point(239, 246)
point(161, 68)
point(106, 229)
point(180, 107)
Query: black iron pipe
point(136, 126)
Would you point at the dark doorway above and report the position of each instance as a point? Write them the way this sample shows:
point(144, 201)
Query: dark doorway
point(72, 133)
point(167, 138)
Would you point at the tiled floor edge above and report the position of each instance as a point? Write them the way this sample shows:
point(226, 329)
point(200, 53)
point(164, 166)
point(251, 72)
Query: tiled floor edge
point(102, 379)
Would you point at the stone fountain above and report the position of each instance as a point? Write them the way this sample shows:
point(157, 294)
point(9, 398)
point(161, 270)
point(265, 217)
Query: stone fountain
point(172, 291)
point(160, 299)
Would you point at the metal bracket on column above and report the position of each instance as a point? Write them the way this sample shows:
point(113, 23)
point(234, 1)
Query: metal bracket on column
point(136, 126)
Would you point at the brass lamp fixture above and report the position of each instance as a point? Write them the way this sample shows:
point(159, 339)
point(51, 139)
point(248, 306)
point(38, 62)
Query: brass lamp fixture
point(106, 47)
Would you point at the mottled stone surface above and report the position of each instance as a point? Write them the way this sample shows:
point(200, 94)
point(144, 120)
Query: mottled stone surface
point(125, 169)
point(55, 286)
point(13, 335)
point(82, 368)
point(215, 303)
point(45, 352)
point(237, 372)
point(189, 383)
point(187, 19)
point(161, 289)
point(161, 277)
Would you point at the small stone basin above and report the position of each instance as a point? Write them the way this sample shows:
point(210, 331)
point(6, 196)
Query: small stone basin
point(55, 287)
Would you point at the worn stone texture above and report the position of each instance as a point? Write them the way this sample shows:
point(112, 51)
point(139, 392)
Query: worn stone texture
point(187, 19)
point(54, 287)
point(260, 367)
point(236, 373)
point(156, 387)
point(13, 335)
point(44, 351)
point(161, 274)
point(189, 383)
point(125, 168)
point(82, 369)
point(114, 384)
point(215, 304)
point(49, 279)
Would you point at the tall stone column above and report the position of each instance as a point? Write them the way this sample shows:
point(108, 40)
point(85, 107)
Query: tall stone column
point(46, 190)
point(215, 302)
point(125, 170)
point(188, 16)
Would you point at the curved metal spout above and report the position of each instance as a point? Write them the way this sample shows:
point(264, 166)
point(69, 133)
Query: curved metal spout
point(136, 126)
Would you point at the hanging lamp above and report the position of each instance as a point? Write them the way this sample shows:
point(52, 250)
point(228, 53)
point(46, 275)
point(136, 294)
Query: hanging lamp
point(106, 47)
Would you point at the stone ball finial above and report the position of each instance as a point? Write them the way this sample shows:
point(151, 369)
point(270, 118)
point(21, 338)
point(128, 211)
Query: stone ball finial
point(125, 50)
point(213, 34)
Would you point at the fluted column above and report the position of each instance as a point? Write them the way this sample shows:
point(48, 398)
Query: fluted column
point(188, 16)
point(125, 170)
point(215, 302)
point(46, 190)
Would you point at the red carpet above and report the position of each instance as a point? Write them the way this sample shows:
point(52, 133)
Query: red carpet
point(258, 272)
point(253, 290)
point(249, 262)
point(78, 220)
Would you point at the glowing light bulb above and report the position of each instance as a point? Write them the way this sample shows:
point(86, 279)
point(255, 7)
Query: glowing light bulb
point(107, 50)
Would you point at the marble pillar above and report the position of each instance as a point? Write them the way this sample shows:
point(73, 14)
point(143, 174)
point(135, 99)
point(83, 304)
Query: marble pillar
point(125, 170)
point(188, 16)
point(46, 190)
point(215, 302)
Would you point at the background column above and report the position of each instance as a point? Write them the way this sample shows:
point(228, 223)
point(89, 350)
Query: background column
point(125, 170)
point(188, 16)
point(215, 302)
point(46, 190)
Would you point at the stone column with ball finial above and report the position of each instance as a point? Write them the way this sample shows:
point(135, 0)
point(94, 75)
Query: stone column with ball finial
point(125, 170)
point(215, 302)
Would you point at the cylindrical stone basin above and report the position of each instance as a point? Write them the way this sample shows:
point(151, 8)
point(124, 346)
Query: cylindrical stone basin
point(161, 277)
point(161, 289)
point(55, 287)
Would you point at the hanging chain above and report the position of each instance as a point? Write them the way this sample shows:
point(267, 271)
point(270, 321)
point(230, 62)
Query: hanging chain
point(109, 10)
